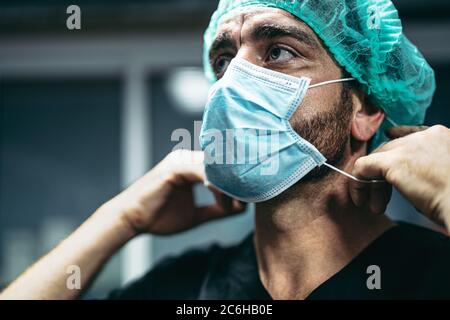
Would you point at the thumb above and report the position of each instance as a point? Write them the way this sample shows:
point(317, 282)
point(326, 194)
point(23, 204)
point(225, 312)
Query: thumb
point(372, 166)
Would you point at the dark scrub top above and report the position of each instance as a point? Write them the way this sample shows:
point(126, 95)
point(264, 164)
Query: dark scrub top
point(414, 263)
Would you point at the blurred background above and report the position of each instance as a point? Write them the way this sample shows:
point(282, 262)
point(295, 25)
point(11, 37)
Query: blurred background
point(85, 112)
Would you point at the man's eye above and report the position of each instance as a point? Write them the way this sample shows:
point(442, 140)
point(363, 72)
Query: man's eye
point(221, 65)
point(280, 55)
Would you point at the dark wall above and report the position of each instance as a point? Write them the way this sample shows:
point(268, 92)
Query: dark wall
point(59, 156)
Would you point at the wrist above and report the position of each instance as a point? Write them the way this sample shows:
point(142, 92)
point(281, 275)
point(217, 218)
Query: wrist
point(114, 217)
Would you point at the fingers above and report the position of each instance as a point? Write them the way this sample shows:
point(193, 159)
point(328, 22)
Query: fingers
point(401, 131)
point(375, 196)
point(194, 174)
point(217, 211)
point(224, 206)
point(188, 164)
point(372, 167)
point(399, 135)
point(380, 195)
point(226, 202)
point(359, 192)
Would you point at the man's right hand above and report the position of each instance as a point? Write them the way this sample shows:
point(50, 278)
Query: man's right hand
point(162, 202)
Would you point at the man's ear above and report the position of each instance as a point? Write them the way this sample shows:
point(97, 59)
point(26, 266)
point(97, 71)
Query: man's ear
point(366, 117)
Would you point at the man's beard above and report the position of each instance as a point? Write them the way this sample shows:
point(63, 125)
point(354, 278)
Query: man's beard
point(329, 133)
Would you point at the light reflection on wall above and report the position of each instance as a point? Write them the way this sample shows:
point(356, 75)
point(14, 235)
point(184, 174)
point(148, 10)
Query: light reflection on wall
point(188, 89)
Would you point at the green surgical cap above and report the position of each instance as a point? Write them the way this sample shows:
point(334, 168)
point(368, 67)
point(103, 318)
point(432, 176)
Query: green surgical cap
point(366, 38)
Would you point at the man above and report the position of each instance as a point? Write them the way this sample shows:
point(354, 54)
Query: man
point(317, 238)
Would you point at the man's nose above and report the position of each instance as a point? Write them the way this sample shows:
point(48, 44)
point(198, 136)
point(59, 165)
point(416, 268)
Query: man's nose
point(249, 54)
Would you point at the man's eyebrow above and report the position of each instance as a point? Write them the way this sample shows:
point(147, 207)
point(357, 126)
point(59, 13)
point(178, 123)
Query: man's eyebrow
point(272, 31)
point(223, 41)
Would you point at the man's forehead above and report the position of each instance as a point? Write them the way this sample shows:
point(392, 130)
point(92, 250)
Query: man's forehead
point(254, 16)
point(261, 24)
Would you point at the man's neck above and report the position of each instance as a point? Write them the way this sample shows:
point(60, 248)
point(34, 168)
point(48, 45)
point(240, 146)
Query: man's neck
point(308, 234)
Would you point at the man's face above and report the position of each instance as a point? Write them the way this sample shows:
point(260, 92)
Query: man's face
point(274, 39)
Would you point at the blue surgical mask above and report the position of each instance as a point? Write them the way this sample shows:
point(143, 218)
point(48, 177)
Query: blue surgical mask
point(251, 151)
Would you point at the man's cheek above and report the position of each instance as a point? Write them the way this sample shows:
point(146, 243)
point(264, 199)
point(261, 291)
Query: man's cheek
point(303, 113)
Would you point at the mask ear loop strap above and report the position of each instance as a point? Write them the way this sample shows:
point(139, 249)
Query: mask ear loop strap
point(392, 122)
point(331, 82)
point(348, 175)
